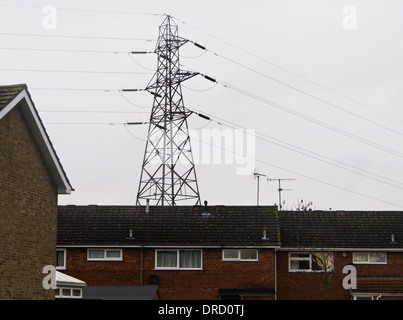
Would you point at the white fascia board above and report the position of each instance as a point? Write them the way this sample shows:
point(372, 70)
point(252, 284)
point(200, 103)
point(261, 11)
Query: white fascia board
point(45, 146)
point(341, 249)
point(165, 247)
point(12, 104)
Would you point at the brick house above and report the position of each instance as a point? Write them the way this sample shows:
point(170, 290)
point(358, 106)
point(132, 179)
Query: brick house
point(233, 252)
point(372, 242)
point(31, 178)
point(189, 252)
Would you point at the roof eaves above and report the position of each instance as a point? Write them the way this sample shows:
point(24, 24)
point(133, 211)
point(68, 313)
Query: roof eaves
point(19, 95)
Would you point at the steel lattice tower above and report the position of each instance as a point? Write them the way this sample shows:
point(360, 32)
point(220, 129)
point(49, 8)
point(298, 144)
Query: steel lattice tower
point(168, 173)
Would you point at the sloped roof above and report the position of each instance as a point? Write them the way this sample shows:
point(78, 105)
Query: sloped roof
point(341, 229)
point(63, 279)
point(379, 284)
point(168, 226)
point(12, 96)
point(121, 293)
point(8, 93)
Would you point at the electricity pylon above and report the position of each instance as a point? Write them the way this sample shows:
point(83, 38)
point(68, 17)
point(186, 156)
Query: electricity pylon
point(168, 174)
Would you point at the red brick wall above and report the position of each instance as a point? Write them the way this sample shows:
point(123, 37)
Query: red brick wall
point(309, 286)
point(28, 213)
point(174, 284)
point(204, 284)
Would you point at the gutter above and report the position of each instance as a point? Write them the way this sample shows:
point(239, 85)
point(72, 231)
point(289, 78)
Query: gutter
point(169, 246)
point(340, 249)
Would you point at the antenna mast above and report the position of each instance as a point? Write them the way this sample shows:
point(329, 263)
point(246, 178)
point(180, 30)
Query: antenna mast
point(257, 176)
point(280, 206)
point(168, 173)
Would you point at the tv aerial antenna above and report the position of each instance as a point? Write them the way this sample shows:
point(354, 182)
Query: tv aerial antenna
point(280, 189)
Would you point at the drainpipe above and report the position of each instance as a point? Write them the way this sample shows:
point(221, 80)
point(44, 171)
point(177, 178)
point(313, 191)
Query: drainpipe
point(275, 273)
point(141, 265)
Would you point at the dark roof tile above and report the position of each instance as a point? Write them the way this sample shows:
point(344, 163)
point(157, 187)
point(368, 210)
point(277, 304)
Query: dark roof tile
point(380, 284)
point(341, 229)
point(170, 226)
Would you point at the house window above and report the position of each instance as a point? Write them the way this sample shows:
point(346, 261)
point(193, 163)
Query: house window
point(68, 293)
point(104, 254)
point(310, 262)
point(239, 255)
point(61, 259)
point(369, 257)
point(178, 259)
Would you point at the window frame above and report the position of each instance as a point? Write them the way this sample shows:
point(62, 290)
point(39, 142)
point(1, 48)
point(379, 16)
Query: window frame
point(239, 258)
point(369, 257)
point(177, 259)
point(63, 267)
point(105, 258)
point(308, 259)
point(59, 293)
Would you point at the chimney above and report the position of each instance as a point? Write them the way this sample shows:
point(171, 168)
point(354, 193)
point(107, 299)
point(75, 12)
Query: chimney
point(130, 235)
point(205, 213)
point(147, 205)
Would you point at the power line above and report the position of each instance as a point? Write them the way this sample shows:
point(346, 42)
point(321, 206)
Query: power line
point(72, 71)
point(130, 55)
point(84, 123)
point(86, 10)
point(73, 36)
point(310, 119)
point(74, 89)
point(306, 176)
point(90, 111)
point(290, 72)
point(130, 102)
point(263, 100)
point(307, 94)
point(60, 50)
point(132, 134)
point(265, 138)
point(257, 160)
point(313, 155)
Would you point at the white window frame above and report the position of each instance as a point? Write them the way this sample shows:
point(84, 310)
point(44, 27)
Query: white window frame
point(309, 259)
point(239, 255)
point(178, 259)
point(105, 258)
point(369, 258)
point(59, 293)
point(63, 267)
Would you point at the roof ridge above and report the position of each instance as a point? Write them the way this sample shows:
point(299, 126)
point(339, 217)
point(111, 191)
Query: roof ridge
point(9, 92)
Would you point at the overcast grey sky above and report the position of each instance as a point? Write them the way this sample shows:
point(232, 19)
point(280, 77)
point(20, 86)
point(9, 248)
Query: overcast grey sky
point(321, 79)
